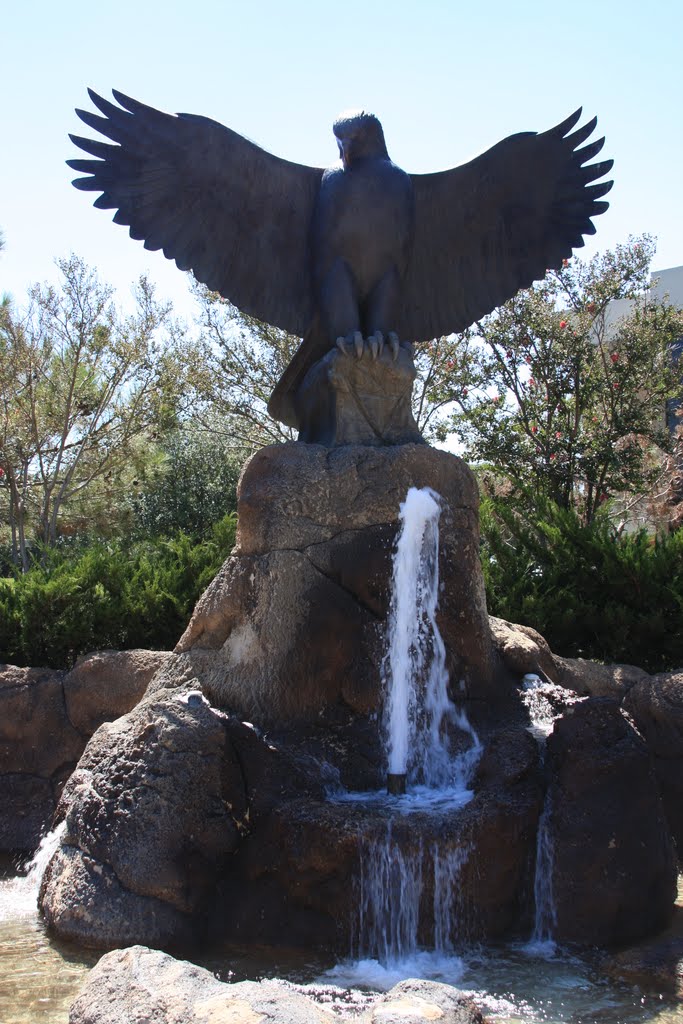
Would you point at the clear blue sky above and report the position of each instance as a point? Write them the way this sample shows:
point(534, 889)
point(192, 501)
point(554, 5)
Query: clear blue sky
point(447, 79)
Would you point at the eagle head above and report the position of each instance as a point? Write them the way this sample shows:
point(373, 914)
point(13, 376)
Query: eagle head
point(359, 135)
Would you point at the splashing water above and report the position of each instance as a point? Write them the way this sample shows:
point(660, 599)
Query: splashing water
point(418, 713)
point(19, 895)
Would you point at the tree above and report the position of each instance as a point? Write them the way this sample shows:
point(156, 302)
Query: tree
point(80, 387)
point(236, 365)
point(565, 398)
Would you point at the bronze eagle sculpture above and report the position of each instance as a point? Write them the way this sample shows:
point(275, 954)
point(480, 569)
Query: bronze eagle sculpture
point(361, 252)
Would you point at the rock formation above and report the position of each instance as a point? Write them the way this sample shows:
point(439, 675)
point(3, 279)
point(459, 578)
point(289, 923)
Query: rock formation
point(46, 718)
point(139, 984)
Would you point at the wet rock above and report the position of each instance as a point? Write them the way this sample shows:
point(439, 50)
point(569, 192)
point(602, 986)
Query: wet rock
point(417, 1001)
point(140, 984)
point(302, 872)
point(656, 705)
point(296, 617)
point(104, 685)
point(614, 873)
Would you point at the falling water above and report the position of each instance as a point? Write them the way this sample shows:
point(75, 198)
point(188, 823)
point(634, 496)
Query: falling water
point(18, 896)
point(392, 891)
point(420, 723)
point(541, 700)
point(418, 711)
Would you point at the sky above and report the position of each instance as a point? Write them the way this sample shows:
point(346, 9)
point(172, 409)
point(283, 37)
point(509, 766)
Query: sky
point(447, 79)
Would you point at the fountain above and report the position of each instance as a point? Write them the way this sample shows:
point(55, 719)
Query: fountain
point(418, 712)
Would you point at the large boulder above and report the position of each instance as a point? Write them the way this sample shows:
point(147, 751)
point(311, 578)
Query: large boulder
point(104, 685)
point(656, 705)
point(296, 617)
point(614, 865)
point(46, 718)
point(140, 984)
point(157, 805)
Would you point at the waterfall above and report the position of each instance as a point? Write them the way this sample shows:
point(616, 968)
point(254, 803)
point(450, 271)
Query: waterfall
point(545, 916)
point(419, 716)
point(541, 699)
point(393, 883)
point(390, 896)
point(19, 895)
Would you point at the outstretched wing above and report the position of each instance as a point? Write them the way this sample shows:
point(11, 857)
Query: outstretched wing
point(496, 224)
point(211, 200)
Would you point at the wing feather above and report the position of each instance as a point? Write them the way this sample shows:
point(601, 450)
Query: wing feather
point(496, 224)
point(211, 200)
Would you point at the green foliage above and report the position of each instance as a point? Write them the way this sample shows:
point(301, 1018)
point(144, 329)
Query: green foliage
point(590, 592)
point(107, 595)
point(189, 486)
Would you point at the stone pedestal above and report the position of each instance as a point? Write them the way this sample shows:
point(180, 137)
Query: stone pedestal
point(358, 398)
point(296, 618)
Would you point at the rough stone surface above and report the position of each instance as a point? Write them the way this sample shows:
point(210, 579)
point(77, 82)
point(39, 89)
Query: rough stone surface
point(656, 705)
point(140, 984)
point(156, 806)
point(36, 736)
point(38, 748)
point(614, 872)
point(104, 685)
point(345, 400)
point(590, 679)
point(46, 717)
point(522, 649)
point(150, 810)
point(297, 615)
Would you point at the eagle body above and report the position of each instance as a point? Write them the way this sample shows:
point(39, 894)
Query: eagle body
point(361, 249)
point(362, 231)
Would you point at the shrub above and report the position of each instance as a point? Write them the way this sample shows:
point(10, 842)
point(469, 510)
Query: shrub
point(107, 595)
point(590, 592)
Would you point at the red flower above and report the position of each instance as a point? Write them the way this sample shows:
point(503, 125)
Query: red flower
point(2, 472)
point(496, 398)
point(553, 456)
point(615, 357)
point(509, 355)
point(558, 434)
point(563, 324)
point(534, 430)
point(464, 392)
point(615, 385)
point(450, 364)
point(591, 307)
point(565, 263)
point(528, 359)
point(532, 382)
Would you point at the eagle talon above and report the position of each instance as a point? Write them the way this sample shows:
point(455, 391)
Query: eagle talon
point(358, 344)
point(341, 345)
point(394, 344)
